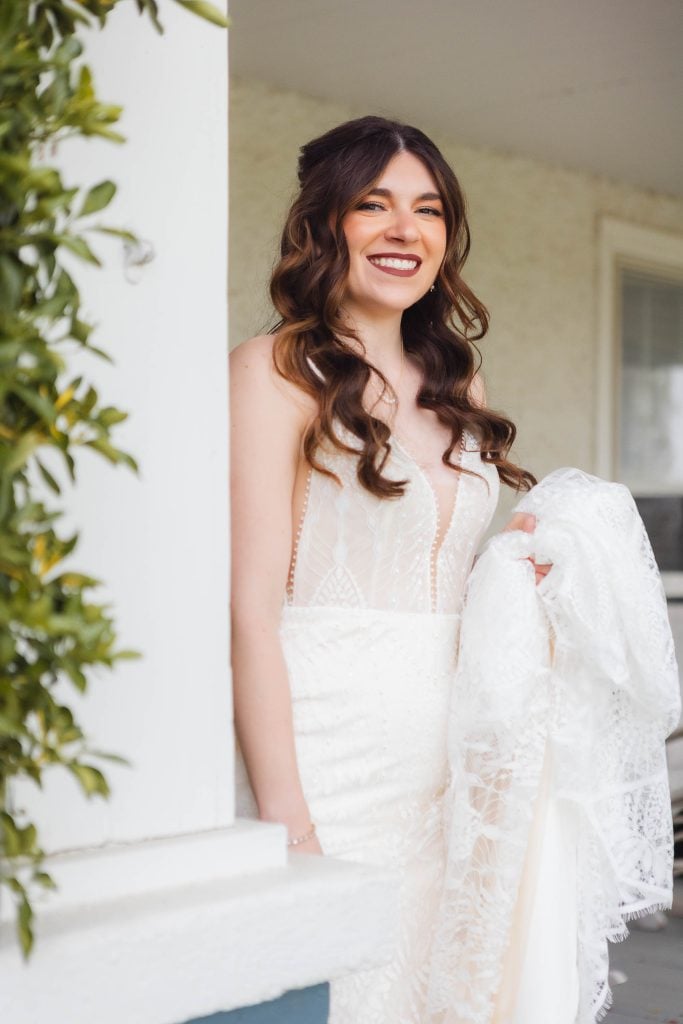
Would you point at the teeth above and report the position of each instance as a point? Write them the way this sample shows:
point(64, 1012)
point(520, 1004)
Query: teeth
point(393, 262)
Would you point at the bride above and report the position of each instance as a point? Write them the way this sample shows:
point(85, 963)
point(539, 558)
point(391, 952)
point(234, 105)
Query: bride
point(365, 469)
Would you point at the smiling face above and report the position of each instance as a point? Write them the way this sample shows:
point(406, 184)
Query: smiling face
point(396, 237)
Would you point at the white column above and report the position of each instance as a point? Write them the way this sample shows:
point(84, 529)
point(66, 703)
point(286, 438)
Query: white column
point(159, 541)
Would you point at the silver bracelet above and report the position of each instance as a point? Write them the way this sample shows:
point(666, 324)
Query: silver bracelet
point(302, 839)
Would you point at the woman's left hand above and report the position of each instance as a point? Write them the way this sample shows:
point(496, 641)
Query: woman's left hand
point(527, 522)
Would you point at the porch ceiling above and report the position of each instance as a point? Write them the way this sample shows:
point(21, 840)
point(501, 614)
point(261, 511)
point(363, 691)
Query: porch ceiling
point(595, 85)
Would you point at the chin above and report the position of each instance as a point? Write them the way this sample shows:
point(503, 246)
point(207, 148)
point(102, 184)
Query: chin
point(386, 302)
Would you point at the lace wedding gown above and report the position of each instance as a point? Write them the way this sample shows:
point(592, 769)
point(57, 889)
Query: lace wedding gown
point(370, 630)
point(369, 633)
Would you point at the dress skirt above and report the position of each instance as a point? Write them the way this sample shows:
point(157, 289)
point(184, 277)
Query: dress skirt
point(371, 695)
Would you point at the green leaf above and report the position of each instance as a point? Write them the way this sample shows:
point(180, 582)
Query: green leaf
point(205, 10)
point(22, 451)
point(127, 655)
point(29, 836)
point(85, 87)
point(70, 465)
point(68, 50)
point(77, 580)
point(98, 197)
point(89, 401)
point(14, 884)
point(80, 330)
point(127, 236)
point(99, 352)
point(91, 779)
point(114, 455)
point(109, 416)
point(79, 246)
point(77, 677)
point(24, 922)
point(47, 881)
point(77, 15)
point(152, 9)
point(10, 727)
point(50, 204)
point(48, 477)
point(12, 275)
point(104, 132)
point(114, 758)
point(42, 407)
point(11, 840)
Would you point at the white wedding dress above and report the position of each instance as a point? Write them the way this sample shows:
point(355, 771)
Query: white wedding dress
point(369, 633)
point(371, 628)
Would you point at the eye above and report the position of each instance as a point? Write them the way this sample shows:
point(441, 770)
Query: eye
point(370, 205)
point(431, 210)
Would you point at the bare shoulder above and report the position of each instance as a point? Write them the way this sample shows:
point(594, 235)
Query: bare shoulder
point(253, 377)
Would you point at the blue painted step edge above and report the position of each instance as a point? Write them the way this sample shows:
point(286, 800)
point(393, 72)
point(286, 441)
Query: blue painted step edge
point(298, 1006)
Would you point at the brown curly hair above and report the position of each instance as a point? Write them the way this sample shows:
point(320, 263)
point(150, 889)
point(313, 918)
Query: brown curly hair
point(307, 289)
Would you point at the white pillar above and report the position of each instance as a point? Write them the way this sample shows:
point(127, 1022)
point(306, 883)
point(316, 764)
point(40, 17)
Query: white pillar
point(159, 541)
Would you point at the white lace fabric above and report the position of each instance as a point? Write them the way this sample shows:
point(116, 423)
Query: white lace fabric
point(355, 550)
point(606, 697)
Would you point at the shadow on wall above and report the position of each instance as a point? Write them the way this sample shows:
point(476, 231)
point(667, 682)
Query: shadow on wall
point(300, 1006)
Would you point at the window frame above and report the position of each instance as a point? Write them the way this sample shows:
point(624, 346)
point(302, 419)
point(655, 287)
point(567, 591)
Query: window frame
point(623, 245)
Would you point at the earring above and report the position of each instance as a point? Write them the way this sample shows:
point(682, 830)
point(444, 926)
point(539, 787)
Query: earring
point(432, 288)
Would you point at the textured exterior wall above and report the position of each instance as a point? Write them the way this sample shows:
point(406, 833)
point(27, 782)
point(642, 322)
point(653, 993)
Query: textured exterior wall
point(533, 263)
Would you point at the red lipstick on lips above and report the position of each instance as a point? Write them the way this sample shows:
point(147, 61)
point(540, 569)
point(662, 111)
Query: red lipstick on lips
point(396, 256)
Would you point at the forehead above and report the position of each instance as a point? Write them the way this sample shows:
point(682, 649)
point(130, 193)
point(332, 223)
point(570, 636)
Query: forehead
point(406, 174)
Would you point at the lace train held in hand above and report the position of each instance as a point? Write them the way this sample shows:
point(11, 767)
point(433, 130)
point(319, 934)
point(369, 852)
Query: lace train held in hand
point(606, 702)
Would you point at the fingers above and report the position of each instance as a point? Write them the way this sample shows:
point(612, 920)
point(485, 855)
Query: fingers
point(527, 522)
point(542, 570)
point(522, 521)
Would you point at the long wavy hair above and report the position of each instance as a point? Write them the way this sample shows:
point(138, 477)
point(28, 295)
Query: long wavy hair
point(307, 288)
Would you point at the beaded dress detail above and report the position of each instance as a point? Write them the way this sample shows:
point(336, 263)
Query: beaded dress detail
point(369, 632)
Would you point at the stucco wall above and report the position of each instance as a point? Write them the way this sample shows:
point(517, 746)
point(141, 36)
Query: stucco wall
point(533, 262)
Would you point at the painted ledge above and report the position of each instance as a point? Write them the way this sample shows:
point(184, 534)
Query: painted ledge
point(166, 930)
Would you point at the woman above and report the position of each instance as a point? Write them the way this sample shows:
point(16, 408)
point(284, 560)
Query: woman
point(365, 470)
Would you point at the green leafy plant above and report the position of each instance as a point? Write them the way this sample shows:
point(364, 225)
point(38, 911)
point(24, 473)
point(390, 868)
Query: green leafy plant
point(52, 631)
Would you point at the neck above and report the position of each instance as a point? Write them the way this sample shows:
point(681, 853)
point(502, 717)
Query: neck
point(381, 337)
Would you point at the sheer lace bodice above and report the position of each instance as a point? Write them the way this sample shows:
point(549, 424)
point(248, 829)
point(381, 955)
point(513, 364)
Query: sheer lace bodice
point(356, 550)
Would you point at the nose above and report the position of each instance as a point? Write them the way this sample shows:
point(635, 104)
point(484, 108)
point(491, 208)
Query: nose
point(403, 227)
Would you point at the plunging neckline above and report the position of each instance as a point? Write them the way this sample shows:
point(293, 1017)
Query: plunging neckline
point(462, 449)
point(394, 441)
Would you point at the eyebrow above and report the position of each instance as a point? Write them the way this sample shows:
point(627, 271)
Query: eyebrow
point(387, 192)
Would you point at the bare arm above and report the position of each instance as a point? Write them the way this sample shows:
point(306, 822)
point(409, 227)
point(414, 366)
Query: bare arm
point(267, 422)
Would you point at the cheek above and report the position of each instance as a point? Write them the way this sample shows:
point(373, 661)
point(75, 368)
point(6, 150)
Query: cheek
point(352, 241)
point(358, 232)
point(439, 240)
